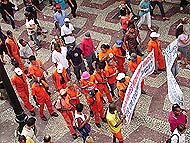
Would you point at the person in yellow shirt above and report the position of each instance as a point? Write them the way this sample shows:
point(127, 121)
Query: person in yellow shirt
point(23, 139)
point(115, 123)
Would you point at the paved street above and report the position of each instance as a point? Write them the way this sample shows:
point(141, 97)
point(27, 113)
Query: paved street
point(99, 17)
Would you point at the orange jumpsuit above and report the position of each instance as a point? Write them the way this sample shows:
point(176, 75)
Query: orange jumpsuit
point(120, 60)
point(90, 83)
point(22, 89)
point(67, 115)
point(109, 70)
point(13, 50)
point(57, 79)
point(157, 53)
point(36, 70)
point(96, 105)
point(102, 55)
point(73, 93)
point(102, 87)
point(42, 98)
point(121, 86)
point(133, 66)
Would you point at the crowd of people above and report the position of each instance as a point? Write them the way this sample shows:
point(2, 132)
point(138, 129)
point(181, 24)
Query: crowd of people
point(97, 74)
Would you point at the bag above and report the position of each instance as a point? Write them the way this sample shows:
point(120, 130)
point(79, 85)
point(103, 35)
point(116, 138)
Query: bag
point(87, 127)
point(58, 106)
point(169, 140)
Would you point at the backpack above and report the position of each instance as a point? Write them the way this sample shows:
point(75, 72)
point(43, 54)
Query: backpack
point(169, 140)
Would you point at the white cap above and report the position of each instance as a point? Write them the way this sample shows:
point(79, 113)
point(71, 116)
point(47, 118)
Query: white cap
point(120, 76)
point(59, 68)
point(66, 20)
point(62, 91)
point(154, 35)
point(18, 71)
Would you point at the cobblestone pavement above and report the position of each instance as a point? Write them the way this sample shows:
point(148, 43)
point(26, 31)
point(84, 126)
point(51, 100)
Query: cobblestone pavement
point(99, 18)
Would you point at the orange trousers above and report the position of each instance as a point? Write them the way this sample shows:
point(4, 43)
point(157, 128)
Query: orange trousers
point(104, 88)
point(160, 62)
point(24, 95)
point(120, 64)
point(18, 59)
point(118, 135)
point(49, 107)
point(98, 115)
point(68, 116)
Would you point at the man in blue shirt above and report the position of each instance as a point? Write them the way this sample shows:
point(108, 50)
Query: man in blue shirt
point(59, 16)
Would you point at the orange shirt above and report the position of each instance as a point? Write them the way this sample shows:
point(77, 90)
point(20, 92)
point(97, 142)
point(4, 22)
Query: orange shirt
point(57, 78)
point(99, 78)
point(73, 93)
point(90, 83)
point(97, 102)
point(19, 82)
point(36, 70)
point(14, 49)
point(65, 102)
point(117, 51)
point(156, 46)
point(109, 70)
point(133, 65)
point(122, 86)
point(102, 55)
point(40, 93)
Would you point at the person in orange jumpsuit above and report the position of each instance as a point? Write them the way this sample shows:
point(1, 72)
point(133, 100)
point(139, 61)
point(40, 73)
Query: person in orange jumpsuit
point(122, 84)
point(19, 81)
point(119, 51)
point(135, 60)
point(74, 93)
point(111, 74)
point(60, 77)
point(42, 97)
point(94, 100)
point(154, 43)
point(101, 82)
point(65, 108)
point(13, 50)
point(35, 69)
point(105, 53)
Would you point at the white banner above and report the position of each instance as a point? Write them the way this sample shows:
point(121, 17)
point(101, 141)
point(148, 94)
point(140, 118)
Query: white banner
point(174, 92)
point(145, 68)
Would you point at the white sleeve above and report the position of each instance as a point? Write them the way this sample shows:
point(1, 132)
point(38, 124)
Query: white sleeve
point(62, 31)
point(174, 139)
point(53, 58)
point(72, 28)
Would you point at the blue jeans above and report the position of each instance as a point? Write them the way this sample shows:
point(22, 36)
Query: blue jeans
point(84, 134)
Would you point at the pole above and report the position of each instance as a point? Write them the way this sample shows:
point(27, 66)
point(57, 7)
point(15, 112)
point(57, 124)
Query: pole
point(21, 117)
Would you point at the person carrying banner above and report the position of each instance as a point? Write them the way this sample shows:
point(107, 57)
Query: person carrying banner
point(154, 43)
point(95, 102)
point(115, 123)
point(101, 82)
point(135, 60)
point(122, 84)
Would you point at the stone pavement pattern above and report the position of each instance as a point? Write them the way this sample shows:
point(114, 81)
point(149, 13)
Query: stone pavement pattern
point(99, 18)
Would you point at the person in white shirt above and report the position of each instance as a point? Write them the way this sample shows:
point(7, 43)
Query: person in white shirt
point(67, 32)
point(178, 135)
point(28, 129)
point(59, 57)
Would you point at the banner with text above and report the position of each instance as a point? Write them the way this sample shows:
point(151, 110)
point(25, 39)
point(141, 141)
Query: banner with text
point(145, 68)
point(174, 92)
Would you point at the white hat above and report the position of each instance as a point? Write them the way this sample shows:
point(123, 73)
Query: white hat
point(18, 71)
point(66, 20)
point(62, 91)
point(59, 68)
point(154, 35)
point(120, 76)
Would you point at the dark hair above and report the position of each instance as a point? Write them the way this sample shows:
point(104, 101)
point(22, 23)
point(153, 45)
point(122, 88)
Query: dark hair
point(47, 138)
point(56, 45)
point(175, 106)
point(9, 32)
point(79, 107)
point(31, 121)
point(179, 31)
point(97, 65)
point(112, 107)
point(181, 128)
point(21, 138)
point(20, 41)
point(32, 58)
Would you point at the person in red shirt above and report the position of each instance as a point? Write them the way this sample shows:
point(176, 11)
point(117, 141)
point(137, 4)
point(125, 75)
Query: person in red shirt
point(65, 108)
point(94, 100)
point(42, 97)
point(19, 81)
point(60, 77)
point(176, 117)
point(119, 51)
point(135, 60)
point(35, 69)
point(111, 74)
point(87, 47)
point(101, 82)
point(124, 19)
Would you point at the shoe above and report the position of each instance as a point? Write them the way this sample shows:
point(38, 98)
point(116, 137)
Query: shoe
point(44, 118)
point(143, 92)
point(140, 54)
point(74, 136)
point(104, 120)
point(32, 113)
point(165, 18)
point(152, 17)
point(161, 69)
point(74, 127)
point(98, 125)
point(91, 114)
point(54, 114)
point(155, 72)
point(181, 8)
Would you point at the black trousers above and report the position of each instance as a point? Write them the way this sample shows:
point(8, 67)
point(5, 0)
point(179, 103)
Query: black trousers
point(73, 9)
point(4, 16)
point(184, 3)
